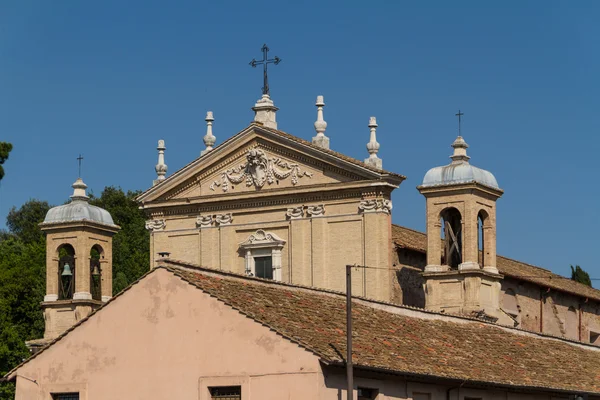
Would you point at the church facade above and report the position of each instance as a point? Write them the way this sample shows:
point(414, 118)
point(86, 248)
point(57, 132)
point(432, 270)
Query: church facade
point(249, 248)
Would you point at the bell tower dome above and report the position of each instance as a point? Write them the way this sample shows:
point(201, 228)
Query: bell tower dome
point(461, 274)
point(78, 261)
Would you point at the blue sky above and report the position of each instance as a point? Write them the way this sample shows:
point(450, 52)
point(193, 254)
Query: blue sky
point(108, 79)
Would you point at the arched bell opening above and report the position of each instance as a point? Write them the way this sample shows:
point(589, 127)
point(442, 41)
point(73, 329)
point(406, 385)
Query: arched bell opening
point(483, 238)
point(96, 255)
point(451, 234)
point(66, 272)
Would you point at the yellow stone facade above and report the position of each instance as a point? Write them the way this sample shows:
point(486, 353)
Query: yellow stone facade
point(323, 209)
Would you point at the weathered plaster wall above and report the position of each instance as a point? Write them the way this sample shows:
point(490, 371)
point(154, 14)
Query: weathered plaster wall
point(407, 283)
point(164, 339)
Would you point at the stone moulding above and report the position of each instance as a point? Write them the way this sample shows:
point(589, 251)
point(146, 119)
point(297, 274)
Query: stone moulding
point(204, 221)
point(156, 225)
point(375, 205)
point(224, 219)
point(259, 170)
point(260, 238)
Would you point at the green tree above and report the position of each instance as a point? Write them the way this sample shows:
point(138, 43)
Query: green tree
point(23, 222)
point(579, 275)
point(5, 149)
point(131, 246)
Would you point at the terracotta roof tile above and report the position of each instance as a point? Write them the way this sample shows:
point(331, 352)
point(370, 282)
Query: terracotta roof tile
point(414, 240)
point(402, 343)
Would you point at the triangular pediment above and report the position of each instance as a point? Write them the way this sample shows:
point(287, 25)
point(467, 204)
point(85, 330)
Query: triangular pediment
point(262, 159)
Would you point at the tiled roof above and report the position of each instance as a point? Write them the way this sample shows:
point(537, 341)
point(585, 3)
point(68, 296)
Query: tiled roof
point(414, 240)
point(406, 341)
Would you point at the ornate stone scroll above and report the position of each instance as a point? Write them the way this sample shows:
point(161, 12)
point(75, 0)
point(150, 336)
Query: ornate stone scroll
point(224, 219)
point(258, 170)
point(204, 221)
point(295, 213)
point(156, 225)
point(375, 205)
point(316, 211)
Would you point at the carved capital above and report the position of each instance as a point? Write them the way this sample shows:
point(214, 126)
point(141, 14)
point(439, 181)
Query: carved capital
point(224, 219)
point(316, 211)
point(156, 225)
point(204, 221)
point(375, 205)
point(295, 213)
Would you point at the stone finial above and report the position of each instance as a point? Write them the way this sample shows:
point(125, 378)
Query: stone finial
point(161, 167)
point(320, 125)
point(264, 112)
point(79, 190)
point(460, 151)
point(373, 146)
point(209, 138)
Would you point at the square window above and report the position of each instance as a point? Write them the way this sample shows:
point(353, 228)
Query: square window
point(263, 267)
point(595, 337)
point(367, 393)
point(225, 392)
point(65, 396)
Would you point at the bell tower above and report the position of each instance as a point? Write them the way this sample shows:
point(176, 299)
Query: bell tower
point(461, 274)
point(78, 261)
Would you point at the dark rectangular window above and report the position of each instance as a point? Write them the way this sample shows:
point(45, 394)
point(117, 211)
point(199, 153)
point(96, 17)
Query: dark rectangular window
point(65, 396)
point(367, 393)
point(226, 392)
point(263, 266)
point(595, 338)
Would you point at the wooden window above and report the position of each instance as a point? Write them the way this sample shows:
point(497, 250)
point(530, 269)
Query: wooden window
point(226, 392)
point(263, 267)
point(367, 393)
point(65, 396)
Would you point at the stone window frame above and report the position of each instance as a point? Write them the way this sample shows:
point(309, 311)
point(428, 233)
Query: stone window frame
point(263, 244)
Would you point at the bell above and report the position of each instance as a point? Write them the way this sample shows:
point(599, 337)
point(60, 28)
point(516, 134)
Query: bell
point(96, 270)
point(67, 270)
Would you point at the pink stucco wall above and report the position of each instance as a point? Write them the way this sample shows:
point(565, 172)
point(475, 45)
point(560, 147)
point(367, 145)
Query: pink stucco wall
point(164, 339)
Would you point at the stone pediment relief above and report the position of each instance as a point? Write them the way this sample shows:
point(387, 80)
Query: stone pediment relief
point(259, 170)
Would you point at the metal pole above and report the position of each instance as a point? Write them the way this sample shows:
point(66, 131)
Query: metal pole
point(349, 371)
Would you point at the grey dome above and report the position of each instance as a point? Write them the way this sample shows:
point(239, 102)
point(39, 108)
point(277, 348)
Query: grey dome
point(459, 171)
point(78, 209)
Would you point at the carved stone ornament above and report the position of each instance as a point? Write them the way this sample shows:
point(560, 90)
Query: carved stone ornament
point(295, 213)
point(156, 225)
point(258, 170)
point(224, 219)
point(316, 211)
point(262, 239)
point(204, 221)
point(375, 205)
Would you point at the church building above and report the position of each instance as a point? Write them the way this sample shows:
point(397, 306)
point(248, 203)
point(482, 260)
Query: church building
point(249, 247)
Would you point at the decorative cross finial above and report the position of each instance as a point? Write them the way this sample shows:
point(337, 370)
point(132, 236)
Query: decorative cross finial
point(373, 146)
point(264, 62)
point(161, 167)
point(209, 138)
point(320, 125)
point(459, 114)
point(79, 159)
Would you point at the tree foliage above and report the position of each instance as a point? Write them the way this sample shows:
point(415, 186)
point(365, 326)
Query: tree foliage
point(5, 149)
point(23, 269)
point(579, 275)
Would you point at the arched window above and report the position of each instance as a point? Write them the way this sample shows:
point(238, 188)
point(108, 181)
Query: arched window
point(96, 254)
point(452, 237)
point(482, 224)
point(66, 272)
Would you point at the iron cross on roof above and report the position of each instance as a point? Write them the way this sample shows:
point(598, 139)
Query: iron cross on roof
point(79, 159)
point(459, 114)
point(265, 61)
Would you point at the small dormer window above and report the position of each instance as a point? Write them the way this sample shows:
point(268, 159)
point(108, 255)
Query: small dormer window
point(262, 252)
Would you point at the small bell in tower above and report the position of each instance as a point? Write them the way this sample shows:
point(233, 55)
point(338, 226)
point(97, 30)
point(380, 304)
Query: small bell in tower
point(67, 270)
